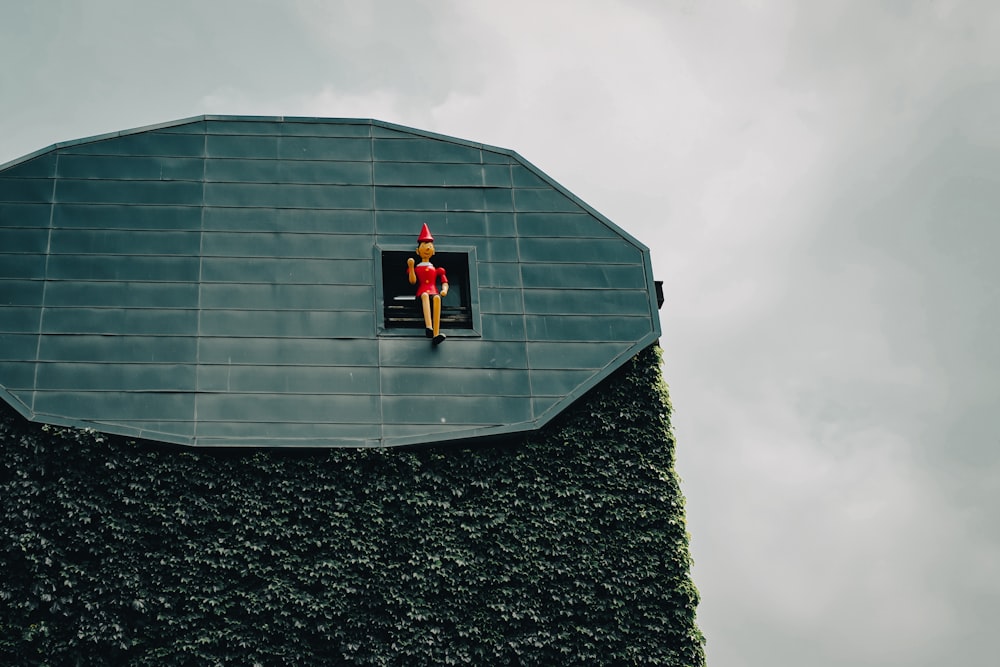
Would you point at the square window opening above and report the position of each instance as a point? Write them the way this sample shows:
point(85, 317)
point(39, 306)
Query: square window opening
point(402, 311)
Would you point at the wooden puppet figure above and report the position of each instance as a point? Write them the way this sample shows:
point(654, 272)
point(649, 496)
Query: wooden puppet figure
point(425, 276)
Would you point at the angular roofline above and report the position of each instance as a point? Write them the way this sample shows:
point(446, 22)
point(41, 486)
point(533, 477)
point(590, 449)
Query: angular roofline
point(347, 121)
point(458, 436)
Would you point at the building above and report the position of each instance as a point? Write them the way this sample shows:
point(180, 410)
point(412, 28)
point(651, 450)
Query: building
point(242, 281)
point(198, 287)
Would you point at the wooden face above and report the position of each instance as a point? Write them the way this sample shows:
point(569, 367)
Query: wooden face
point(425, 251)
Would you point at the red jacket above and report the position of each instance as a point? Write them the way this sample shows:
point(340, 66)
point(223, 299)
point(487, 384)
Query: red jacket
point(427, 276)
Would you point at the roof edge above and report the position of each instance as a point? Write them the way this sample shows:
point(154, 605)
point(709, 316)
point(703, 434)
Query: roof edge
point(351, 121)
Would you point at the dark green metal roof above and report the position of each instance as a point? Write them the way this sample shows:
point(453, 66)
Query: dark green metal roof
point(216, 281)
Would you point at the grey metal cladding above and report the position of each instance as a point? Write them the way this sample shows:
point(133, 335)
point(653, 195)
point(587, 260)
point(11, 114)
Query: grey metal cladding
point(213, 281)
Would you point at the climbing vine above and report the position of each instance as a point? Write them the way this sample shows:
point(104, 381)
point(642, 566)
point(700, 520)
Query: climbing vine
point(567, 546)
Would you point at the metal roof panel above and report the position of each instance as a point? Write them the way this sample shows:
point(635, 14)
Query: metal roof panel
point(217, 281)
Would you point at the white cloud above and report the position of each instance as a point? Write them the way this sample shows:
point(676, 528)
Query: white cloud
point(814, 181)
point(808, 541)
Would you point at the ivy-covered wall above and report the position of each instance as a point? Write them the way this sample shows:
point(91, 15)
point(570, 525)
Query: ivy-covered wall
point(564, 547)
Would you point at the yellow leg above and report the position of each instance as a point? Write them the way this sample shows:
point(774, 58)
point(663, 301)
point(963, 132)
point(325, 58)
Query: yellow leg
point(426, 299)
point(438, 336)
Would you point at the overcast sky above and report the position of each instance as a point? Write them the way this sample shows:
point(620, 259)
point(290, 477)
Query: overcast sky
point(819, 183)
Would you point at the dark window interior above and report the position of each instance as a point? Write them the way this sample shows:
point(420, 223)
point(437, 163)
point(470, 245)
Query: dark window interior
point(402, 309)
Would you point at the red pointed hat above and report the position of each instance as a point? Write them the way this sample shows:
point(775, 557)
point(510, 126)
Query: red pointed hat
point(425, 235)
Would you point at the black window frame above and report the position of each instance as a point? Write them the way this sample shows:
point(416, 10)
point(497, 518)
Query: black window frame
point(398, 313)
